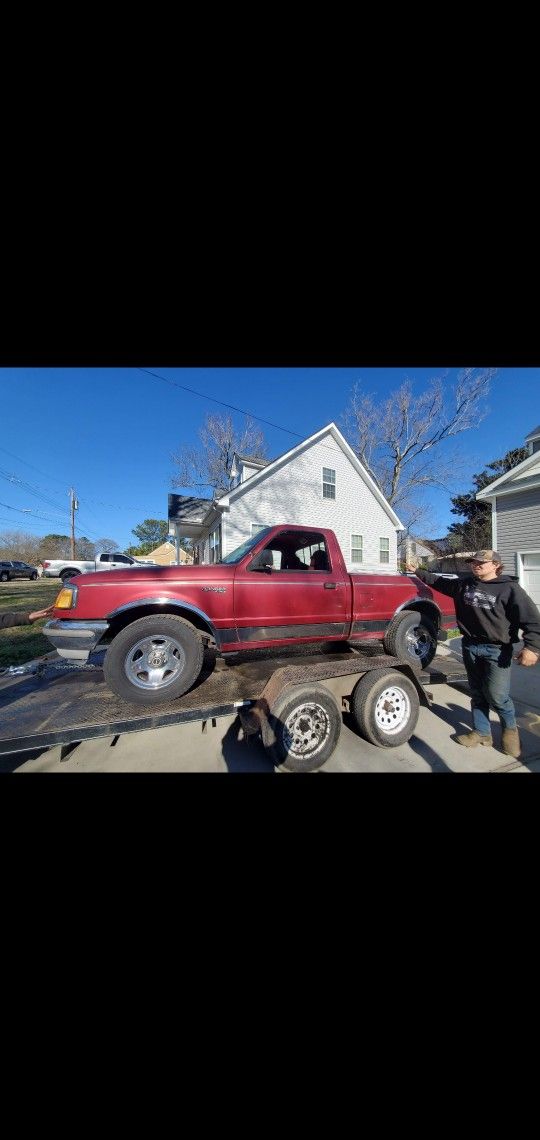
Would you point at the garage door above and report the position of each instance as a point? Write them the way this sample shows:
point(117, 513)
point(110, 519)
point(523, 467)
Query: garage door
point(531, 576)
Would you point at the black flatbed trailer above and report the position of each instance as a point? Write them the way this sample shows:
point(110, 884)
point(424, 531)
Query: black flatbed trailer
point(63, 704)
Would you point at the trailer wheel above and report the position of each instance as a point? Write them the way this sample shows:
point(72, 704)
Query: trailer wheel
point(155, 659)
point(303, 728)
point(411, 635)
point(385, 706)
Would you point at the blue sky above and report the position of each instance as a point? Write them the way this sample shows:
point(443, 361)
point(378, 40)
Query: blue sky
point(109, 433)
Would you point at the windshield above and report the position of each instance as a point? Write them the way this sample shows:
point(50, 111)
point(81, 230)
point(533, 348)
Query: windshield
point(237, 554)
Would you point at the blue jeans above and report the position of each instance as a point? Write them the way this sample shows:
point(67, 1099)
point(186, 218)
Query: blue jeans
point(489, 671)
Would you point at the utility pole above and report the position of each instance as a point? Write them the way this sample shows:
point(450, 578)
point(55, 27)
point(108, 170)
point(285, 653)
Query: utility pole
point(74, 507)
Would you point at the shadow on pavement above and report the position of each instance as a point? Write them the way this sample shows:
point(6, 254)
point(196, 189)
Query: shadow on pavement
point(244, 753)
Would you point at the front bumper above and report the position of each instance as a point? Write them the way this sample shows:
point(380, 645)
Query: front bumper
point(75, 639)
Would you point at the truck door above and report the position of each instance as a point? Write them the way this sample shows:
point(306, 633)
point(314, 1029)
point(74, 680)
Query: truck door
point(280, 595)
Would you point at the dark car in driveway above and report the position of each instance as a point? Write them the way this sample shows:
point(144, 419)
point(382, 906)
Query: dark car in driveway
point(10, 570)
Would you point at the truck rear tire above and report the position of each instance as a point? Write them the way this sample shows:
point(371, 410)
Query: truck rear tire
point(155, 659)
point(412, 637)
point(302, 728)
point(385, 706)
point(66, 575)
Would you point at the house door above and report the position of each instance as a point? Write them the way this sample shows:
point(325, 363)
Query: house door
point(531, 576)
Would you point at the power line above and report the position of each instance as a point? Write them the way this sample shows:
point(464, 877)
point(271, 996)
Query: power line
point(16, 480)
point(53, 477)
point(23, 511)
point(231, 407)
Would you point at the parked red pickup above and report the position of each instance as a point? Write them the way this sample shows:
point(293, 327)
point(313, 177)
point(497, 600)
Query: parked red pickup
point(287, 584)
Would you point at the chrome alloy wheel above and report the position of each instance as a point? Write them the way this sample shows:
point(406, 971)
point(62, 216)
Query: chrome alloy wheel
point(392, 710)
point(419, 644)
point(154, 662)
point(306, 730)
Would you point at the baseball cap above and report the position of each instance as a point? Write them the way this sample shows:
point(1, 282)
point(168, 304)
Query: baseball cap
point(485, 556)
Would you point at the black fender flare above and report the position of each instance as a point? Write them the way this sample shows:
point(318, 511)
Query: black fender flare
point(156, 604)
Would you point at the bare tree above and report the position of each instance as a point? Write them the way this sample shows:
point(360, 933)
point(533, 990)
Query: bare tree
point(209, 465)
point(19, 546)
point(396, 439)
point(107, 545)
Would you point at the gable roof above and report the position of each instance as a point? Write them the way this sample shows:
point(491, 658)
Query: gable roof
point(165, 554)
point(508, 482)
point(275, 464)
point(252, 460)
point(435, 545)
point(534, 434)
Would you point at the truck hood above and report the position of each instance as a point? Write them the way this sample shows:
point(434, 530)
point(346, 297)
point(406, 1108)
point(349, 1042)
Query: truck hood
point(190, 575)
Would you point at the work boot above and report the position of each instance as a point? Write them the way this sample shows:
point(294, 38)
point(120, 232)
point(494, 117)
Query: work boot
point(471, 739)
point(510, 742)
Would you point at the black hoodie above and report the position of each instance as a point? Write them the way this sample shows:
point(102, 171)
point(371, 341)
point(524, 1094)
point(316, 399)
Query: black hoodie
point(490, 612)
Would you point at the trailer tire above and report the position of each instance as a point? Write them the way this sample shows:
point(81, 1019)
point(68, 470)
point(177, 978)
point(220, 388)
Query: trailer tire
point(411, 636)
point(302, 728)
point(385, 706)
point(155, 659)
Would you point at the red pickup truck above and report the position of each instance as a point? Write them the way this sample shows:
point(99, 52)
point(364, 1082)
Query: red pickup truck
point(286, 585)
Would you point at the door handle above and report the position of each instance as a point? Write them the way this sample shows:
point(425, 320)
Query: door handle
point(329, 585)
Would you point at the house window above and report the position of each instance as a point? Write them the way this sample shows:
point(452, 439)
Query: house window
point(328, 483)
point(413, 548)
point(214, 542)
point(357, 548)
point(384, 550)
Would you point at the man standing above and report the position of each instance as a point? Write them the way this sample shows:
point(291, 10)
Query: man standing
point(490, 608)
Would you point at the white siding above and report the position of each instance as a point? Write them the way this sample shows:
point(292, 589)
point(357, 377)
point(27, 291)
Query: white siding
point(293, 494)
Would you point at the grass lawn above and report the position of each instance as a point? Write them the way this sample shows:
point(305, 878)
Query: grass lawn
point(24, 642)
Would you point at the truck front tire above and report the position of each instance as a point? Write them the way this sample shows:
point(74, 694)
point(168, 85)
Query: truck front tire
point(155, 659)
point(412, 637)
point(302, 728)
point(385, 706)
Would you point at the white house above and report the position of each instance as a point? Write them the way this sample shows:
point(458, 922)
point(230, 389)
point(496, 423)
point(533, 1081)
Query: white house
point(415, 551)
point(318, 483)
point(515, 517)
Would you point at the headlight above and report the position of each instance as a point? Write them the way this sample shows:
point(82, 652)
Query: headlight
point(66, 599)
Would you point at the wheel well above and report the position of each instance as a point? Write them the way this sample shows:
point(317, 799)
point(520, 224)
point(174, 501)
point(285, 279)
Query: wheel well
point(120, 621)
point(427, 609)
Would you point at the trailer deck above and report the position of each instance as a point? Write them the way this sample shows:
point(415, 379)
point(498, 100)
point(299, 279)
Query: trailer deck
point(69, 704)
